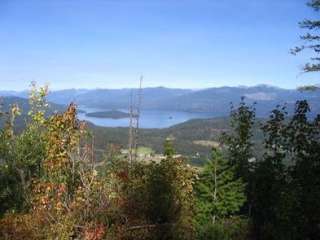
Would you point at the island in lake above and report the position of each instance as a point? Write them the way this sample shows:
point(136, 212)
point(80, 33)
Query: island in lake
point(114, 114)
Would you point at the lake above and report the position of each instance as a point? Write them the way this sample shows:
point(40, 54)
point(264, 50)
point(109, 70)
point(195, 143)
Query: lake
point(148, 118)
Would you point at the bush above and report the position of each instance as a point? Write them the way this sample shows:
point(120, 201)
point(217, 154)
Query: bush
point(234, 228)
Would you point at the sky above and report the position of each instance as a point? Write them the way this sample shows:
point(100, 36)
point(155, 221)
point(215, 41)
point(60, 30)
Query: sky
point(173, 43)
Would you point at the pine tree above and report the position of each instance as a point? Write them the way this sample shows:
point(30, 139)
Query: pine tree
point(311, 39)
point(239, 147)
point(239, 142)
point(220, 193)
point(169, 150)
point(303, 138)
point(269, 216)
point(286, 197)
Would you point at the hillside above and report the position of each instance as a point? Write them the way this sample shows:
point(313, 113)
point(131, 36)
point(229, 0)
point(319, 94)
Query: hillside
point(24, 106)
point(193, 138)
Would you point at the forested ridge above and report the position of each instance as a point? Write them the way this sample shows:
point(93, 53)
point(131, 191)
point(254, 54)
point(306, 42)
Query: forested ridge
point(52, 187)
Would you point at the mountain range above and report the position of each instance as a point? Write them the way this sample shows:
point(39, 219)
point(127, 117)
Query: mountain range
point(213, 100)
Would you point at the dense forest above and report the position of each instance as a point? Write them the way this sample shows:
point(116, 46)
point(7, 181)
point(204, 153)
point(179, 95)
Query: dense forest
point(52, 188)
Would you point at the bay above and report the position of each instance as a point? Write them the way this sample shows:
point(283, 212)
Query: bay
point(148, 118)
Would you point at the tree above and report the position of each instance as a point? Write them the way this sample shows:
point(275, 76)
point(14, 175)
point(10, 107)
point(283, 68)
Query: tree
point(285, 203)
point(160, 200)
point(271, 190)
point(311, 39)
point(22, 154)
point(304, 145)
point(170, 196)
point(169, 150)
point(240, 147)
point(220, 192)
point(239, 140)
point(11, 193)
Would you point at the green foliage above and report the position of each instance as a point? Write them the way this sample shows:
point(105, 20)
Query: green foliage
point(220, 193)
point(185, 134)
point(287, 180)
point(171, 197)
point(239, 142)
point(168, 148)
point(270, 179)
point(161, 193)
point(52, 188)
point(38, 103)
point(309, 88)
point(234, 228)
point(303, 136)
point(239, 148)
point(311, 39)
point(21, 157)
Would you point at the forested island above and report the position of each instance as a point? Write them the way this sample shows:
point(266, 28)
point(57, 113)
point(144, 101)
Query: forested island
point(113, 114)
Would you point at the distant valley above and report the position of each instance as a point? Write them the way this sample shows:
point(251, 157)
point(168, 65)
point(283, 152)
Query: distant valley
point(193, 132)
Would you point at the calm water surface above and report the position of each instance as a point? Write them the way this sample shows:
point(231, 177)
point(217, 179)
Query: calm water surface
point(148, 119)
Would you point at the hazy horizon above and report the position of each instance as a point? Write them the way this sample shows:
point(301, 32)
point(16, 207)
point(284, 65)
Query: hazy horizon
point(147, 87)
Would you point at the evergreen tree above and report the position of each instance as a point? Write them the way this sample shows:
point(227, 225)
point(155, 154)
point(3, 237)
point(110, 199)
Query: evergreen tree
point(239, 147)
point(286, 198)
point(239, 141)
point(303, 138)
point(220, 193)
point(271, 192)
point(311, 39)
point(169, 150)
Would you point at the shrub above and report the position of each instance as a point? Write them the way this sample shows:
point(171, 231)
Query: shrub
point(234, 228)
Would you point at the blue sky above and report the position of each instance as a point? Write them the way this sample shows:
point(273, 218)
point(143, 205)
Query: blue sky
point(174, 43)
